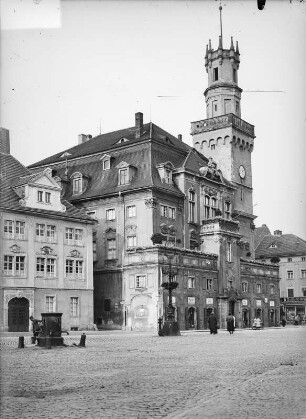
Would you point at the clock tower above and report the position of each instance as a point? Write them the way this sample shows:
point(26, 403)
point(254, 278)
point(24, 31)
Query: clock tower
point(223, 135)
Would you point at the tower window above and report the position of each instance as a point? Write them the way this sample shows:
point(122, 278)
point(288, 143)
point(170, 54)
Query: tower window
point(235, 75)
point(216, 76)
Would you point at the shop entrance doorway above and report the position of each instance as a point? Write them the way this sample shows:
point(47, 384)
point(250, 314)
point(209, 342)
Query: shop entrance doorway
point(18, 315)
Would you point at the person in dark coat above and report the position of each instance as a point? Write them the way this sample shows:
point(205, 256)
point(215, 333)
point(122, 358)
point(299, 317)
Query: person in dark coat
point(213, 324)
point(230, 321)
point(37, 326)
point(283, 321)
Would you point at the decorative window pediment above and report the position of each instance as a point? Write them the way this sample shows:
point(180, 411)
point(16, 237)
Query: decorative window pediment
point(15, 249)
point(75, 254)
point(46, 250)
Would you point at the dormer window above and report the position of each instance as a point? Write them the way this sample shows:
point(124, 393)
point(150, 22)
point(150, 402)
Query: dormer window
point(123, 176)
point(40, 196)
point(126, 173)
point(106, 158)
point(44, 197)
point(165, 172)
point(77, 185)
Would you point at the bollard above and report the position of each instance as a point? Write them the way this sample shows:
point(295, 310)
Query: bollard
point(82, 340)
point(21, 342)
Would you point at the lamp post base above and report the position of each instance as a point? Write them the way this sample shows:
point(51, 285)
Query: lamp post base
point(170, 328)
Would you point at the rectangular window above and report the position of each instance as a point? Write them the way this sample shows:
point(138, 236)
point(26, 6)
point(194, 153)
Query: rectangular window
point(131, 211)
point(8, 265)
point(74, 307)
point(303, 273)
point(110, 214)
point(191, 282)
point(213, 207)
point(50, 304)
point(78, 236)
point(47, 197)
point(244, 287)
point(20, 229)
point(69, 268)
point(167, 176)
point(9, 229)
point(258, 288)
point(191, 206)
point(40, 266)
point(234, 75)
point(303, 258)
point(40, 232)
point(79, 268)
point(289, 274)
point(227, 210)
point(171, 213)
point(40, 195)
point(123, 176)
point(69, 235)
point(216, 75)
point(272, 289)
point(163, 210)
point(290, 292)
point(229, 252)
point(140, 281)
point(131, 241)
point(206, 207)
point(111, 249)
point(289, 259)
point(106, 165)
point(20, 265)
point(304, 292)
point(51, 233)
point(77, 185)
point(50, 265)
point(209, 284)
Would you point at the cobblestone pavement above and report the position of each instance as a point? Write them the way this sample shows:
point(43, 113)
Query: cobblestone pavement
point(250, 374)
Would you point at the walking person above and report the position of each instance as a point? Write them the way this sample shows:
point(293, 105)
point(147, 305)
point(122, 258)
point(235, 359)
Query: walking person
point(283, 321)
point(213, 324)
point(230, 321)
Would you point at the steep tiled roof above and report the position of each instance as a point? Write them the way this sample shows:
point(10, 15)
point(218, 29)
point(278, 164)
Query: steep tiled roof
point(260, 233)
point(11, 172)
point(282, 246)
point(105, 142)
point(154, 147)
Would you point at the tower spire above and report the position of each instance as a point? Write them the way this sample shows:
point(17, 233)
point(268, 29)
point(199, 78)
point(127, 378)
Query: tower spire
point(220, 8)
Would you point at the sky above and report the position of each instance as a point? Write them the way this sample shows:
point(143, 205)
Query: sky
point(71, 67)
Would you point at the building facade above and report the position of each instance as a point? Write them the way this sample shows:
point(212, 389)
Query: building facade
point(289, 251)
point(46, 250)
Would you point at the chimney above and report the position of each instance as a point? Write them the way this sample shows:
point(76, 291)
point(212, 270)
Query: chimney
point(4, 141)
point(180, 137)
point(82, 138)
point(278, 233)
point(138, 123)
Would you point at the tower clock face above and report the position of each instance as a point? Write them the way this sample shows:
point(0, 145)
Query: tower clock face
point(242, 172)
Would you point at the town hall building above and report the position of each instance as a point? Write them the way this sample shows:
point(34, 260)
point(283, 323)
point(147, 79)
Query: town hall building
point(142, 182)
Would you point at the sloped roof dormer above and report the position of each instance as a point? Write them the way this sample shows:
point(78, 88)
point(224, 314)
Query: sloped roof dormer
point(39, 191)
point(165, 172)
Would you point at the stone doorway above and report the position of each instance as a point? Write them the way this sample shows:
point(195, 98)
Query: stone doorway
point(192, 318)
point(18, 315)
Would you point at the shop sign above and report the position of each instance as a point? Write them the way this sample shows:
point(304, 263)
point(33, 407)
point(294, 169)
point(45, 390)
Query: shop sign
point(209, 300)
point(295, 299)
point(244, 302)
point(258, 303)
point(191, 300)
point(272, 304)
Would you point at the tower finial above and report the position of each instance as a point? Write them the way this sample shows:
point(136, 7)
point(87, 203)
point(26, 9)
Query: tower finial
point(220, 8)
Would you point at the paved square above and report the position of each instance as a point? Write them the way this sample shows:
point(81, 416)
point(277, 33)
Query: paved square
point(250, 374)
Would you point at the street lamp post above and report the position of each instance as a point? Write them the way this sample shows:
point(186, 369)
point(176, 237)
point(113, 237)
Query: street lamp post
point(170, 326)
